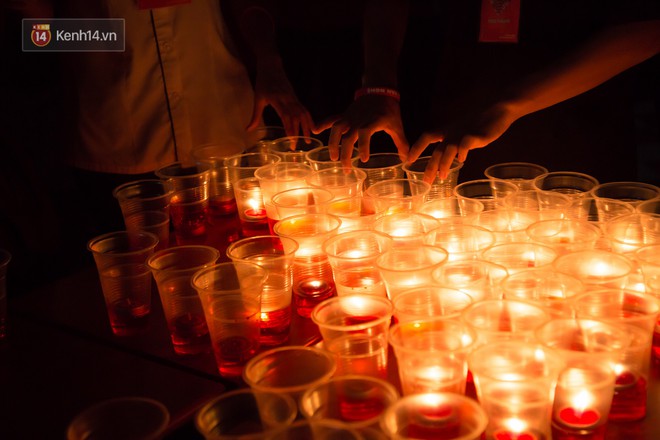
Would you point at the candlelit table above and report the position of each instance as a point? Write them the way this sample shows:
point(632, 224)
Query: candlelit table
point(61, 357)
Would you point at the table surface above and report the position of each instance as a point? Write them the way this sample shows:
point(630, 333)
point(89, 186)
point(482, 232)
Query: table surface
point(60, 357)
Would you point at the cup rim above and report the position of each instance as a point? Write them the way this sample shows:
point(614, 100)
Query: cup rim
point(108, 235)
point(354, 327)
point(329, 357)
point(179, 249)
point(153, 403)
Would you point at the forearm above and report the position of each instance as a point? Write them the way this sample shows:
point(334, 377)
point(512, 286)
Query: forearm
point(598, 60)
point(384, 31)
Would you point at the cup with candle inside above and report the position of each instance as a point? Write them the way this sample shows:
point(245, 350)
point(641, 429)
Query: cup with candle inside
point(313, 280)
point(230, 293)
point(478, 278)
point(276, 255)
point(432, 354)
point(638, 313)
point(279, 177)
point(515, 384)
point(120, 259)
point(354, 328)
point(522, 174)
point(356, 400)
point(173, 269)
point(583, 397)
point(251, 207)
point(352, 256)
point(430, 416)
point(406, 267)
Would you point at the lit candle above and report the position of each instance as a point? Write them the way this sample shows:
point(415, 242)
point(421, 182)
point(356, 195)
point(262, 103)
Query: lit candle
point(255, 210)
point(514, 429)
point(580, 413)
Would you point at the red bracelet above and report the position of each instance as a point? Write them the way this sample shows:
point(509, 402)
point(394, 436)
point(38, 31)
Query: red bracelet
point(381, 91)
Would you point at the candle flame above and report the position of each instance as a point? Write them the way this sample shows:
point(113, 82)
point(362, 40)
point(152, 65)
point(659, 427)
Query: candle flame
point(582, 400)
point(515, 425)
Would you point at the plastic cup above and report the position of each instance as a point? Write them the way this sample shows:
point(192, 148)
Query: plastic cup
point(405, 228)
point(518, 256)
point(637, 313)
point(355, 213)
point(231, 297)
point(245, 414)
point(431, 416)
point(499, 320)
point(565, 235)
point(570, 183)
point(127, 418)
point(486, 191)
point(397, 195)
point(423, 303)
point(293, 148)
point(289, 370)
point(189, 214)
point(478, 278)
point(319, 158)
point(596, 268)
point(251, 207)
point(440, 188)
point(406, 267)
point(515, 383)
point(326, 429)
point(630, 192)
point(341, 182)
point(299, 201)
point(432, 355)
point(173, 269)
point(243, 166)
point(627, 233)
point(585, 388)
point(352, 256)
point(461, 210)
point(354, 328)
point(379, 167)
point(545, 288)
point(312, 273)
point(120, 259)
point(521, 174)
point(221, 194)
point(463, 242)
point(276, 255)
point(356, 400)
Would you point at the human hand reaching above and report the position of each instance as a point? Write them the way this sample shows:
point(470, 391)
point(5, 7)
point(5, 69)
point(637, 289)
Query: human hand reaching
point(459, 138)
point(364, 117)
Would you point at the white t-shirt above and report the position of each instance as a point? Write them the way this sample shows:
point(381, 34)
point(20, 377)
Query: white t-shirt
point(178, 85)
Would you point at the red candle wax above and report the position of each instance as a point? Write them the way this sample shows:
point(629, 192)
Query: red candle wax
point(255, 214)
point(579, 418)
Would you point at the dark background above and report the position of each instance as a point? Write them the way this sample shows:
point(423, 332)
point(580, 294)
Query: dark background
point(611, 132)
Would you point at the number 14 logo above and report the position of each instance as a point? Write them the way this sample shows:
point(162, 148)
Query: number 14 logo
point(40, 34)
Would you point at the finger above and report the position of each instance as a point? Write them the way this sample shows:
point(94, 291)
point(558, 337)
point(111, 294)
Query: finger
point(259, 106)
point(446, 160)
point(326, 123)
point(289, 125)
point(347, 145)
point(336, 132)
point(306, 124)
point(401, 143)
point(468, 143)
point(364, 143)
point(420, 145)
point(431, 170)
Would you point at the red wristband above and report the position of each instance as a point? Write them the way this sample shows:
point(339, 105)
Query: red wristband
point(380, 91)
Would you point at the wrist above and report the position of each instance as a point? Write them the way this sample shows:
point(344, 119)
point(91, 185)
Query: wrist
point(377, 91)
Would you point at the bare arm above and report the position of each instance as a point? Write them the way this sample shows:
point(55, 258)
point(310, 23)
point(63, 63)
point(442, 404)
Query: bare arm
point(384, 30)
point(604, 56)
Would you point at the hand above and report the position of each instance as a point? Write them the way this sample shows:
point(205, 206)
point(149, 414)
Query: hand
point(459, 138)
point(273, 88)
point(364, 117)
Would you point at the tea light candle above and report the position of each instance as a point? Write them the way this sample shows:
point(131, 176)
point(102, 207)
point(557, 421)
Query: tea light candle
point(580, 413)
point(515, 429)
